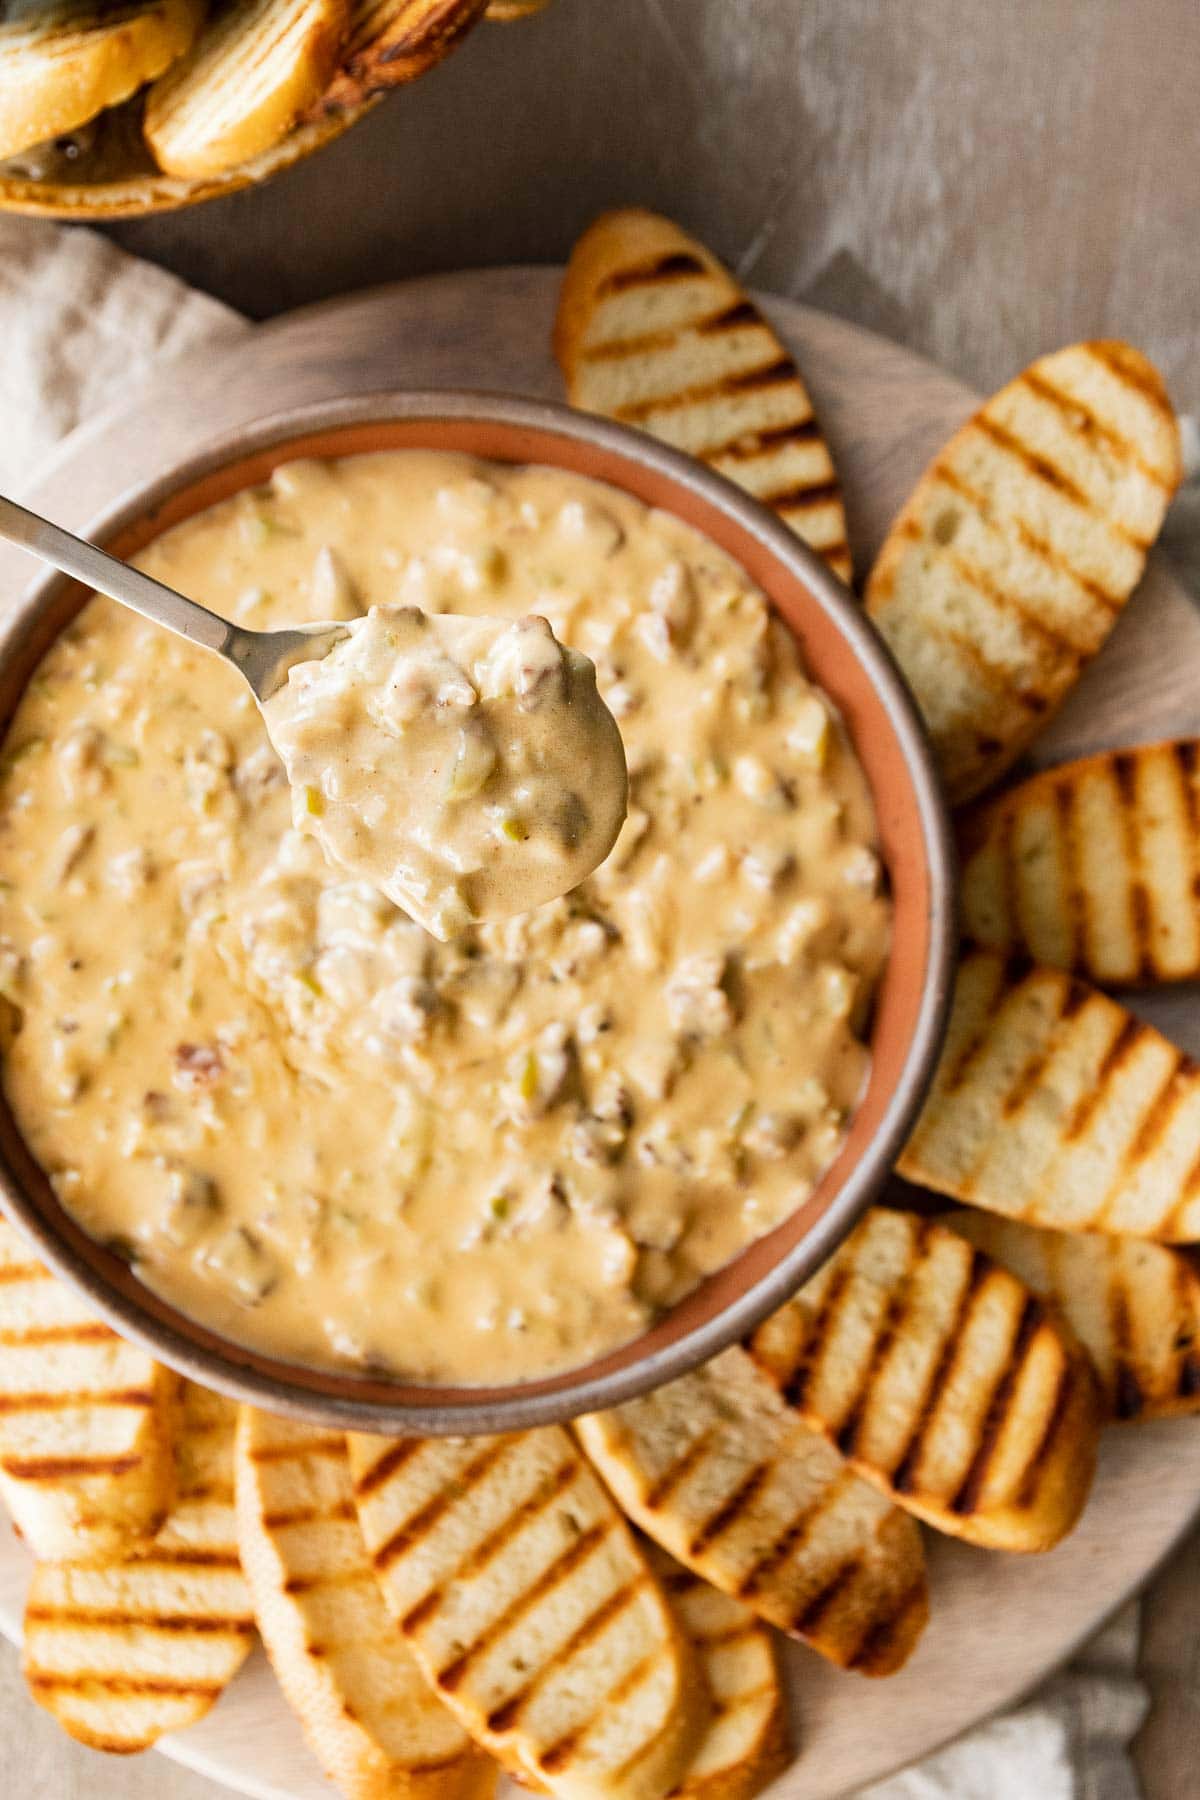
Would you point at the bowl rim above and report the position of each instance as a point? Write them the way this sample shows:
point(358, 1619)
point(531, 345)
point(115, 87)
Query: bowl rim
point(229, 1367)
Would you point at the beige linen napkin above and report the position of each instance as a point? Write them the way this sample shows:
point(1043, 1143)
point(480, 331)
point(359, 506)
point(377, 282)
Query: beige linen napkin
point(81, 324)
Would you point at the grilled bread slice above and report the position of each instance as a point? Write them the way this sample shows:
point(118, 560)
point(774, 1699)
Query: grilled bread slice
point(1054, 1105)
point(941, 1378)
point(86, 1420)
point(122, 1651)
point(374, 1724)
point(652, 330)
point(258, 65)
point(1135, 1307)
point(531, 1609)
point(1004, 573)
point(389, 42)
point(720, 1472)
point(746, 1742)
point(1093, 866)
point(64, 61)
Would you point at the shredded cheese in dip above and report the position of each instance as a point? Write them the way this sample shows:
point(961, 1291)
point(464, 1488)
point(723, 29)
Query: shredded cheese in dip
point(465, 767)
point(318, 1129)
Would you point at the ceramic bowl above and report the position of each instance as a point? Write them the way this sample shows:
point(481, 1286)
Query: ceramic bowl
point(842, 652)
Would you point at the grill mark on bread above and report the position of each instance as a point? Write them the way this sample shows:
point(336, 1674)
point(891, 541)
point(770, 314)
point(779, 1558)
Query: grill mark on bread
point(392, 1459)
point(1127, 1398)
point(1128, 1036)
point(423, 1520)
point(506, 1716)
point(307, 1515)
point(773, 372)
point(677, 265)
point(805, 496)
point(903, 1472)
point(969, 1494)
point(846, 1430)
point(59, 1402)
point(1132, 372)
point(88, 1619)
point(327, 1445)
point(34, 1336)
point(731, 1509)
point(66, 1468)
point(490, 1546)
point(299, 1585)
point(15, 1272)
point(123, 1686)
point(1038, 464)
point(1187, 1383)
point(796, 1386)
point(750, 444)
point(660, 1490)
point(807, 1622)
point(724, 318)
point(1124, 770)
point(564, 1564)
point(791, 1539)
point(1159, 1111)
point(875, 1649)
point(1069, 1375)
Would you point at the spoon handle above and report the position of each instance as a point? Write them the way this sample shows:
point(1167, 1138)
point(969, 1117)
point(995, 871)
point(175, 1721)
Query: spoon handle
point(74, 556)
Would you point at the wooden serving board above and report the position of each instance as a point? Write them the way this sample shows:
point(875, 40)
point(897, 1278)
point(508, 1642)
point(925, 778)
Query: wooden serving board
point(999, 1623)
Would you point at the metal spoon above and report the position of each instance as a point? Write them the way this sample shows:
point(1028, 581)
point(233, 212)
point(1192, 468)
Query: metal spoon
point(263, 657)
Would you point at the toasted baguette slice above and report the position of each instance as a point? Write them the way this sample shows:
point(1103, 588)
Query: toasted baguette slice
point(252, 72)
point(1093, 866)
point(746, 1742)
point(86, 1420)
point(390, 42)
point(373, 1722)
point(1135, 1307)
point(718, 1470)
point(942, 1379)
point(1053, 1104)
point(1006, 570)
point(531, 1609)
point(64, 61)
point(652, 330)
point(506, 12)
point(123, 1651)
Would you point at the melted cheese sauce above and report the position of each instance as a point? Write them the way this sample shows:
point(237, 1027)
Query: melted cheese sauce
point(324, 1133)
point(465, 767)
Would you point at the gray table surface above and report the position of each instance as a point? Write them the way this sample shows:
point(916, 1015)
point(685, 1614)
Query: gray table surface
point(979, 179)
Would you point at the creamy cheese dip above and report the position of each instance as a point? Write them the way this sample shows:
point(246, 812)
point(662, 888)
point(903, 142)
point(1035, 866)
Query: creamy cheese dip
point(318, 1129)
point(465, 767)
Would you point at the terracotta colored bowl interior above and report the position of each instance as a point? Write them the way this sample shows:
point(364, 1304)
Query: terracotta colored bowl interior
point(843, 655)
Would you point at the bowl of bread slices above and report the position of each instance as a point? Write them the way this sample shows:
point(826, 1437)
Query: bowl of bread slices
point(117, 108)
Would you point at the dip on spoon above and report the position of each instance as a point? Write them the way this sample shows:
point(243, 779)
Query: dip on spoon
point(466, 767)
